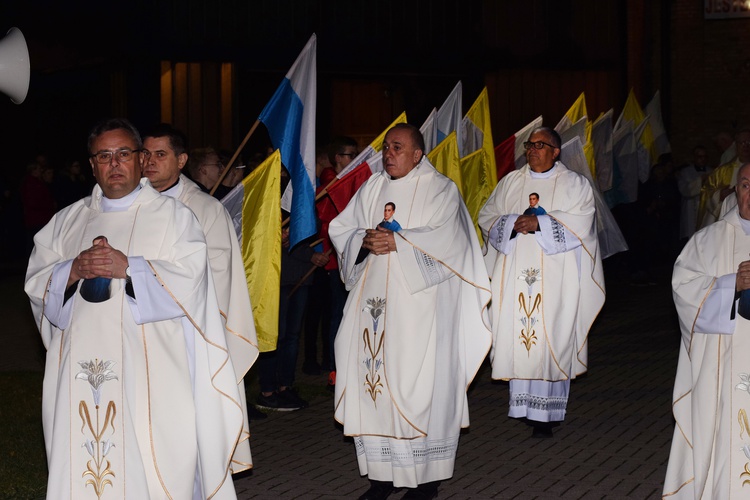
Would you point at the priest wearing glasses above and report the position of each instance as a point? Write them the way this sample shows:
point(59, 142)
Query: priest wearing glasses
point(547, 281)
point(140, 398)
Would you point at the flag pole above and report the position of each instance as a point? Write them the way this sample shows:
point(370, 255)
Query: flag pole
point(324, 191)
point(234, 157)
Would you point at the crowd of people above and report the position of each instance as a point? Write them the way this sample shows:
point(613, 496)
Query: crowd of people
point(406, 301)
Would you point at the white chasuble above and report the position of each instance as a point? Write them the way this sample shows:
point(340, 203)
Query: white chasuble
point(739, 449)
point(139, 396)
point(228, 269)
point(413, 333)
point(710, 453)
point(547, 286)
point(107, 345)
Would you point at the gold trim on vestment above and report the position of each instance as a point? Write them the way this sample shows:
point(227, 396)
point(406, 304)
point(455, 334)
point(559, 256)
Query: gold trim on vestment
point(444, 264)
point(600, 286)
point(227, 463)
point(698, 313)
point(677, 422)
point(544, 324)
point(678, 489)
point(388, 436)
point(150, 426)
point(385, 366)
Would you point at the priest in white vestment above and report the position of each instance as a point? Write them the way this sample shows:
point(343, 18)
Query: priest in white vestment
point(165, 155)
point(710, 455)
point(689, 181)
point(721, 182)
point(547, 281)
point(140, 398)
point(415, 328)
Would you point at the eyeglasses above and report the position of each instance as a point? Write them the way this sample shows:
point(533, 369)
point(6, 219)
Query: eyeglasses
point(743, 143)
point(123, 155)
point(217, 165)
point(350, 155)
point(536, 145)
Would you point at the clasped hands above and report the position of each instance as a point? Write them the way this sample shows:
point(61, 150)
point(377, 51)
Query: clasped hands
point(379, 241)
point(526, 223)
point(98, 261)
point(743, 276)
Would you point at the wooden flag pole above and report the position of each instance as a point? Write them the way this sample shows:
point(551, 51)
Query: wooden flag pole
point(234, 157)
point(324, 191)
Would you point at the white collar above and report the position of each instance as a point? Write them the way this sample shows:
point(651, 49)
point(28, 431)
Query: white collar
point(174, 191)
point(744, 223)
point(543, 175)
point(119, 204)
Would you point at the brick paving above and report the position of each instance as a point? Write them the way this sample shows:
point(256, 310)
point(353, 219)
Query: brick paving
point(614, 443)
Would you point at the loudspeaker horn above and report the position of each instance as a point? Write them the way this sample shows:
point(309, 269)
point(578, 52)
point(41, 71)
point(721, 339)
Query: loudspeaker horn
point(14, 66)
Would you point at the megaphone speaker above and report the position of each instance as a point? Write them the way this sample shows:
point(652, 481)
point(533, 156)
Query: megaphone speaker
point(14, 66)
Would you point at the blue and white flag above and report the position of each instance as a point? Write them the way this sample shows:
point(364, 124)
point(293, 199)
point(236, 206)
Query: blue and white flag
point(290, 119)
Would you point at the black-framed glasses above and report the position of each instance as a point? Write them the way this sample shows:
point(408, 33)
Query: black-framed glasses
point(123, 155)
point(536, 145)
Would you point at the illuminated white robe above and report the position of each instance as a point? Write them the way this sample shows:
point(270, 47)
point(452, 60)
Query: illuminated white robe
point(414, 331)
point(710, 454)
point(228, 272)
point(140, 398)
point(547, 287)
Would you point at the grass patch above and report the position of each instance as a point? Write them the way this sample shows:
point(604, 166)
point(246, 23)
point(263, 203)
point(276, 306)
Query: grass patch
point(23, 463)
point(23, 460)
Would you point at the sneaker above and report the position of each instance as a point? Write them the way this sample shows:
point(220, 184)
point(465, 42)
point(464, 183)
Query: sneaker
point(290, 398)
point(254, 414)
point(275, 402)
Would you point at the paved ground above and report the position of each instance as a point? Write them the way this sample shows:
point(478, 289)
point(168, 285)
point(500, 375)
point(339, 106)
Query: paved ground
point(614, 443)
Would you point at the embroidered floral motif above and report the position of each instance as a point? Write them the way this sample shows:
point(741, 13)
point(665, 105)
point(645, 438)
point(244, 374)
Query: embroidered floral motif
point(373, 348)
point(745, 384)
point(376, 307)
point(96, 372)
point(529, 306)
point(745, 474)
point(530, 276)
point(744, 429)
